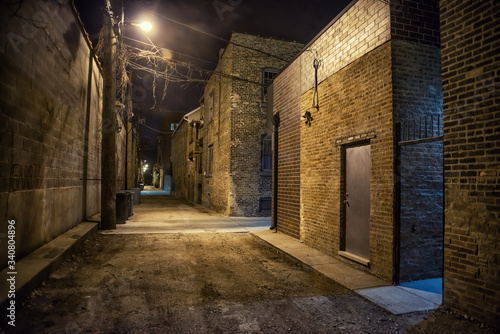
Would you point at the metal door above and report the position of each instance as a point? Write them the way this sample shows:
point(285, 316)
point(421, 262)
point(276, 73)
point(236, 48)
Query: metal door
point(357, 201)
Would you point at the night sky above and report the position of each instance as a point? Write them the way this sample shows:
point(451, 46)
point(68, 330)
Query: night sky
point(283, 19)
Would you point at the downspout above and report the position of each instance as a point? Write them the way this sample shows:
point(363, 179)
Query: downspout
point(86, 137)
point(276, 123)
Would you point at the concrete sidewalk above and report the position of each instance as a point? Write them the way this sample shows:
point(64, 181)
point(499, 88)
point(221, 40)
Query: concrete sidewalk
point(395, 299)
point(33, 269)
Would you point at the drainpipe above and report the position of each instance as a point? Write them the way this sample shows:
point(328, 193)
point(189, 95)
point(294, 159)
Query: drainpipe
point(276, 123)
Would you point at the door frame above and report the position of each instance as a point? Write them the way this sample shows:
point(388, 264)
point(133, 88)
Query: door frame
point(342, 205)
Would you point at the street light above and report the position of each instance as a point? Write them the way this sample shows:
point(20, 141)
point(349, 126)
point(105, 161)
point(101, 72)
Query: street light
point(146, 26)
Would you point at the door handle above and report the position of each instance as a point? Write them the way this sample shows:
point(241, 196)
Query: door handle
point(346, 201)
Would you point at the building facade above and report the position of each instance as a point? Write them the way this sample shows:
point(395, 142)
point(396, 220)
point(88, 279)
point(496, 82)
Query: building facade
point(232, 144)
point(359, 115)
point(360, 172)
point(471, 71)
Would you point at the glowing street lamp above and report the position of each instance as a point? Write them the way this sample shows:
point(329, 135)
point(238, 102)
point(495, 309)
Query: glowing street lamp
point(146, 26)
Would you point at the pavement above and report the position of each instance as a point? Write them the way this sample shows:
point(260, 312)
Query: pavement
point(164, 214)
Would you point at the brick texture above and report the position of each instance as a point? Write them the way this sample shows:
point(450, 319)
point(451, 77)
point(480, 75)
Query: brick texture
point(470, 60)
point(417, 100)
point(371, 78)
point(50, 140)
point(238, 123)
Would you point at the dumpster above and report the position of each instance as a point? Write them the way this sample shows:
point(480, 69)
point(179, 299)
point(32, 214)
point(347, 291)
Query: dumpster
point(121, 207)
point(137, 195)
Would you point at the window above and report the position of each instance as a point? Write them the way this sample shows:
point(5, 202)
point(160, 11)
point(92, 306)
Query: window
point(265, 204)
point(199, 163)
point(210, 162)
point(173, 126)
point(268, 74)
point(211, 107)
point(267, 153)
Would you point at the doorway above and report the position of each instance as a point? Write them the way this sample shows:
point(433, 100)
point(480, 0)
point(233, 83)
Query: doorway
point(357, 202)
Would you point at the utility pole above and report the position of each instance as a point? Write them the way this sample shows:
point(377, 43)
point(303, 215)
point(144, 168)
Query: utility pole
point(129, 172)
point(108, 159)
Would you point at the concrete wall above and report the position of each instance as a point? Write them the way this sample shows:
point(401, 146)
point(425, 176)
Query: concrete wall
point(470, 60)
point(50, 116)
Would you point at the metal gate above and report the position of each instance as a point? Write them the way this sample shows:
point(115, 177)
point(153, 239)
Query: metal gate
point(419, 196)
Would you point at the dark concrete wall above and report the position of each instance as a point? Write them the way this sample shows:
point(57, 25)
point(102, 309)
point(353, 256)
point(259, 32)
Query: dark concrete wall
point(50, 123)
point(471, 72)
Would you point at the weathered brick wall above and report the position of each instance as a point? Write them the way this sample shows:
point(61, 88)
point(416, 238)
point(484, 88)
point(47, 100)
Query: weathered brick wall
point(249, 119)
point(50, 134)
point(353, 101)
point(180, 164)
point(216, 132)
point(421, 231)
point(360, 29)
point(239, 121)
point(286, 100)
point(469, 37)
point(417, 100)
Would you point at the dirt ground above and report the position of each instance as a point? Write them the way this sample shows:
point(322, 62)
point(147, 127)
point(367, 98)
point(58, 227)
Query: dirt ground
point(206, 283)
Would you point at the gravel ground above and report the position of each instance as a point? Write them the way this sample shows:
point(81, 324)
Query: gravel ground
point(206, 283)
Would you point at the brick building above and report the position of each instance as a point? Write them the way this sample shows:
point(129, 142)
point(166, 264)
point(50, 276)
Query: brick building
point(234, 137)
point(378, 90)
point(187, 171)
point(471, 71)
point(360, 151)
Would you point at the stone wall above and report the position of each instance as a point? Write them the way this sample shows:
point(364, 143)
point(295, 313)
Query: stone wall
point(50, 144)
point(471, 64)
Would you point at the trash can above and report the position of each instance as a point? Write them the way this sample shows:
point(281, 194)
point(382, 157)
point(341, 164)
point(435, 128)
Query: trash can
point(121, 207)
point(130, 203)
point(137, 195)
point(141, 185)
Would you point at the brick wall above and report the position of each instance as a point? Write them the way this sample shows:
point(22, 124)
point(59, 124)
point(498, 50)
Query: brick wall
point(421, 230)
point(375, 72)
point(180, 164)
point(217, 133)
point(470, 60)
point(50, 135)
point(239, 121)
point(353, 101)
point(364, 26)
point(417, 100)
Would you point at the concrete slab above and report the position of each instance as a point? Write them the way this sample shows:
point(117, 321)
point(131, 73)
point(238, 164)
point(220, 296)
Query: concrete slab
point(350, 277)
point(399, 300)
point(33, 269)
